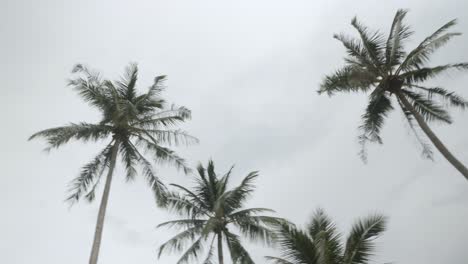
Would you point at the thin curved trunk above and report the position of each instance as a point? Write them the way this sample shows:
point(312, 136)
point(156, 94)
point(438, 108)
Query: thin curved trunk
point(220, 248)
point(435, 140)
point(102, 208)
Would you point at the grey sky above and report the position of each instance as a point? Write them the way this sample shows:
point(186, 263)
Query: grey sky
point(249, 71)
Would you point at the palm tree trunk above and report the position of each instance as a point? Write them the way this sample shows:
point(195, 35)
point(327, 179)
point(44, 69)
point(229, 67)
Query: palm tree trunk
point(435, 140)
point(102, 208)
point(220, 248)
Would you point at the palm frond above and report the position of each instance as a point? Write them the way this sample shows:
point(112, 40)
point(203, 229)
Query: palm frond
point(373, 42)
point(183, 206)
point(275, 260)
point(348, 79)
point(166, 118)
point(163, 154)
point(192, 252)
point(193, 197)
point(398, 34)
point(360, 244)
point(451, 98)
point(210, 253)
point(249, 212)
point(238, 253)
point(296, 246)
point(130, 158)
point(326, 238)
point(91, 88)
point(255, 229)
point(89, 176)
point(58, 136)
point(417, 57)
point(357, 53)
point(234, 199)
point(127, 85)
point(426, 148)
point(169, 137)
point(183, 223)
point(372, 121)
point(423, 74)
point(179, 241)
point(427, 108)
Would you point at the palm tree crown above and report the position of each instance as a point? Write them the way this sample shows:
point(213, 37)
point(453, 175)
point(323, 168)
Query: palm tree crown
point(211, 210)
point(320, 242)
point(130, 120)
point(380, 64)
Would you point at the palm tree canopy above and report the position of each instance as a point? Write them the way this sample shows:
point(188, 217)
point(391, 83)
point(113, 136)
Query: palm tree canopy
point(210, 210)
point(381, 65)
point(130, 121)
point(319, 242)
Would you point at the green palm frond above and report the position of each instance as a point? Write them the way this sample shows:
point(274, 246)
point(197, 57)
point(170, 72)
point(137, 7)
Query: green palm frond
point(257, 228)
point(398, 34)
point(296, 246)
point(181, 223)
point(59, 136)
point(193, 197)
point(275, 260)
point(127, 85)
point(423, 74)
point(427, 108)
point(426, 149)
point(235, 198)
point(249, 212)
point(162, 154)
point(192, 252)
point(209, 255)
point(129, 158)
point(89, 177)
point(360, 242)
point(320, 243)
point(179, 241)
point(357, 54)
point(348, 79)
point(451, 98)
point(373, 43)
point(421, 53)
point(238, 253)
point(325, 236)
point(91, 88)
point(170, 137)
point(183, 206)
point(373, 120)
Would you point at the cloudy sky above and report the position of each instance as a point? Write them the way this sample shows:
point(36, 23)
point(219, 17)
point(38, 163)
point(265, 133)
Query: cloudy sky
point(249, 71)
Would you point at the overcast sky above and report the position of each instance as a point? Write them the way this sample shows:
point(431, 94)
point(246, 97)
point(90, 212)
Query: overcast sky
point(249, 71)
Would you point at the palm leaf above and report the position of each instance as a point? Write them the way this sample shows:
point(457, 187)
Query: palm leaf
point(59, 136)
point(427, 108)
point(360, 244)
point(373, 120)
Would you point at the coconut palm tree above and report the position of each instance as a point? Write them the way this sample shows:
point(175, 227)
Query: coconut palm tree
point(210, 213)
point(131, 122)
point(319, 242)
point(379, 65)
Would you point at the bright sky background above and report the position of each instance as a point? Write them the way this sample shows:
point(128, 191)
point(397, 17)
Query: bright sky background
point(249, 71)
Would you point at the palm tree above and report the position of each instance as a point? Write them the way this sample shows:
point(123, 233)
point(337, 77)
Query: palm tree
point(209, 211)
point(380, 65)
point(320, 242)
point(130, 122)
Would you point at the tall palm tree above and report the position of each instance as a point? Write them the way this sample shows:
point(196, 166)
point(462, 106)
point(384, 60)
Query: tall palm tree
point(379, 64)
point(209, 211)
point(320, 242)
point(130, 122)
